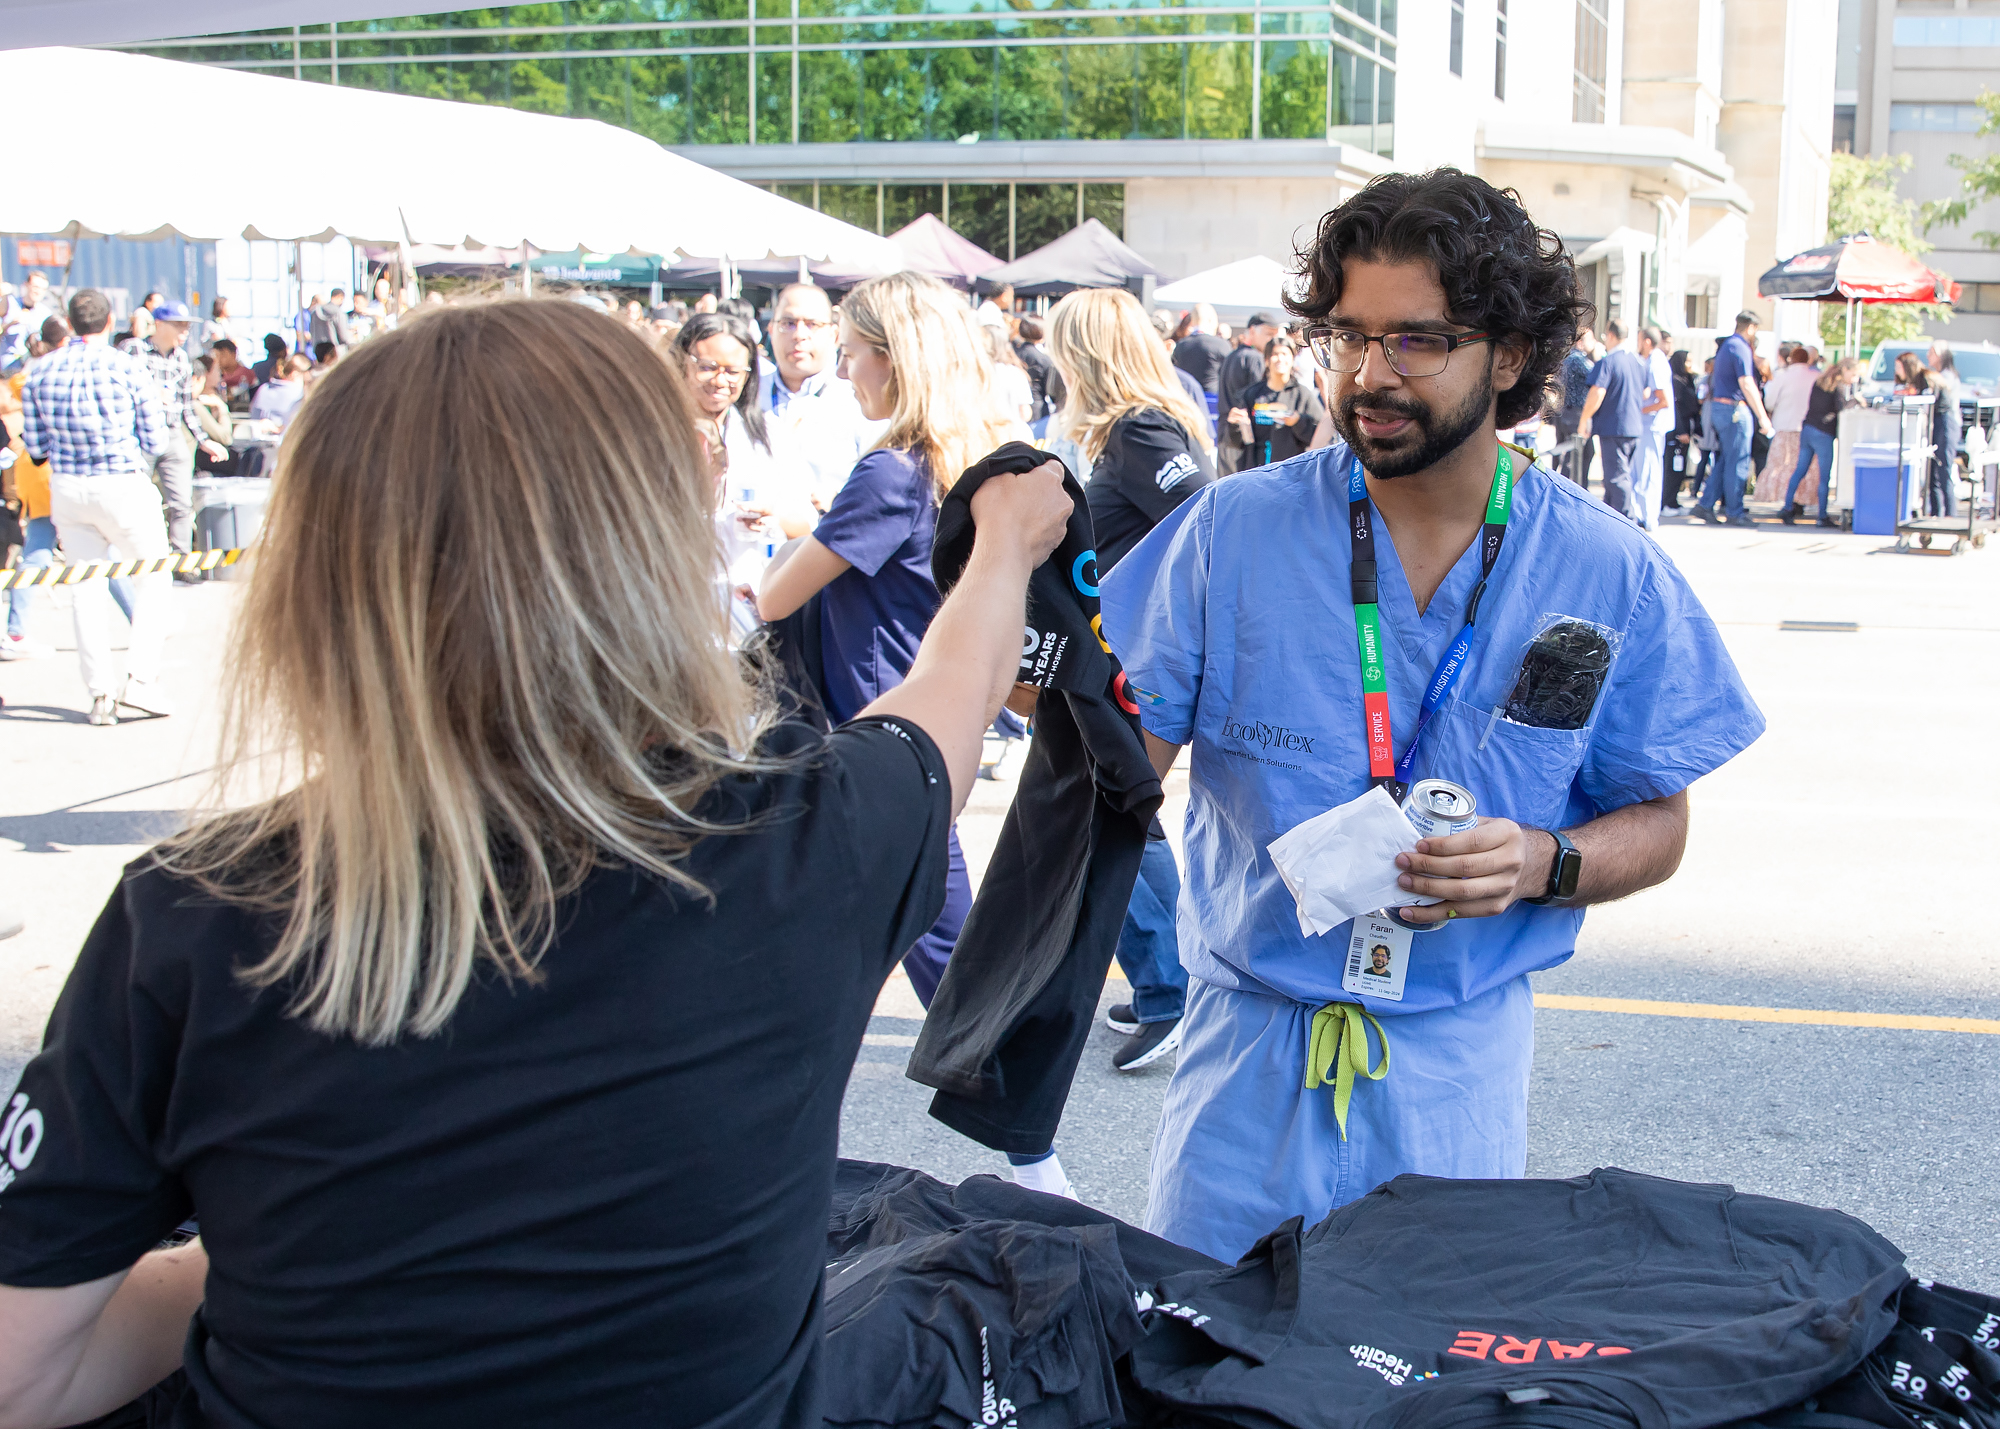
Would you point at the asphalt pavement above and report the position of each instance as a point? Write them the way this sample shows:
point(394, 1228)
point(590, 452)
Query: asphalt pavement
point(1844, 864)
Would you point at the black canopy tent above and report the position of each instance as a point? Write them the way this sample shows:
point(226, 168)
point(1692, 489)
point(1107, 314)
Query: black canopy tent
point(1088, 256)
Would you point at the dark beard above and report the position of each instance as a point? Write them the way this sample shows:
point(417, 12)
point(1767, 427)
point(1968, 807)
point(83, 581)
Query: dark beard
point(1441, 436)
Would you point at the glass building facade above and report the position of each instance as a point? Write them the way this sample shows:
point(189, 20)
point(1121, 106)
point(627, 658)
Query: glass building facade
point(839, 71)
point(691, 73)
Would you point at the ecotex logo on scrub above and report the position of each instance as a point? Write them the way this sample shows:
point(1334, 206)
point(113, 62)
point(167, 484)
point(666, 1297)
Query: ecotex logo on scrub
point(1268, 736)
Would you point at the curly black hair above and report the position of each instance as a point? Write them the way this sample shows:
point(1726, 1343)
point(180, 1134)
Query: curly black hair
point(1500, 272)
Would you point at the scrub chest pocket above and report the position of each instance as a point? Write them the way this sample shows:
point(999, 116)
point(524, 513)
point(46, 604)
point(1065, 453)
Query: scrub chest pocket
point(1514, 772)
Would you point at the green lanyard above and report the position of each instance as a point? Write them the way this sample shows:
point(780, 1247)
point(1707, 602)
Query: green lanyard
point(1383, 766)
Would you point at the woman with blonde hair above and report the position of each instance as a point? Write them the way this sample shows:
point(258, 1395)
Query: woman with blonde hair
point(1147, 443)
point(500, 1051)
point(916, 360)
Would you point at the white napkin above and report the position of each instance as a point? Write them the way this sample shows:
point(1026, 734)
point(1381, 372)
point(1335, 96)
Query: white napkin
point(1341, 864)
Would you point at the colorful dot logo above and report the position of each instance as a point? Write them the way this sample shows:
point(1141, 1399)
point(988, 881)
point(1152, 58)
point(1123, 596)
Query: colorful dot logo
point(1076, 576)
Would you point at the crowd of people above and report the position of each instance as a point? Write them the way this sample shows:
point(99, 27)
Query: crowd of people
point(500, 1058)
point(105, 423)
point(1744, 428)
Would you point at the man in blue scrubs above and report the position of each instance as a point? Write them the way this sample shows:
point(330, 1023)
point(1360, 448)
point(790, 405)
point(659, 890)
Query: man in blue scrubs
point(1306, 1079)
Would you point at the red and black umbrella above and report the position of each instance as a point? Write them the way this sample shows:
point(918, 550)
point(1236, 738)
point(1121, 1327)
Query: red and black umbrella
point(1857, 269)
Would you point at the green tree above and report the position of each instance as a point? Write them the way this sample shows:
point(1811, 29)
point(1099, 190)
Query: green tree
point(1862, 198)
point(1981, 181)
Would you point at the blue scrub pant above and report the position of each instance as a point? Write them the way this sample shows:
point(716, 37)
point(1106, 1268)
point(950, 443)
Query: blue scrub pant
point(1731, 470)
point(1243, 1146)
point(925, 960)
point(1148, 949)
point(1812, 443)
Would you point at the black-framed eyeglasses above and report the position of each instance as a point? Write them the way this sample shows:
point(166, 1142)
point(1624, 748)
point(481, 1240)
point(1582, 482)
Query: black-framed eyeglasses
point(1410, 354)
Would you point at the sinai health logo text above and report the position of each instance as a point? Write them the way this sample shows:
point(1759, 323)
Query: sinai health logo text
point(1391, 1368)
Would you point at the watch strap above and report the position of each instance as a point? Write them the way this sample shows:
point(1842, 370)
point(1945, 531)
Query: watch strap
point(1567, 861)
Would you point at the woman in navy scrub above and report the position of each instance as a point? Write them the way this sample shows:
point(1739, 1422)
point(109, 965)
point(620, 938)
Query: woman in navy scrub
point(915, 357)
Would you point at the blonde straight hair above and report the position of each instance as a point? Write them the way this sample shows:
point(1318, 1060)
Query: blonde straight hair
point(1112, 360)
point(941, 399)
point(482, 631)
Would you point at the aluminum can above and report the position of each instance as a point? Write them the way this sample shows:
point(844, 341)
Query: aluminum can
point(1436, 808)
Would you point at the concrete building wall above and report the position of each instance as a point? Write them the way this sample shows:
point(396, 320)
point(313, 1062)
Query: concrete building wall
point(1187, 225)
point(1895, 75)
point(1777, 129)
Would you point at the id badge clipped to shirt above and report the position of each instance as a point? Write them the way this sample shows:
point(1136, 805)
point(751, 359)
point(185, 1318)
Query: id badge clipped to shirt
point(1378, 959)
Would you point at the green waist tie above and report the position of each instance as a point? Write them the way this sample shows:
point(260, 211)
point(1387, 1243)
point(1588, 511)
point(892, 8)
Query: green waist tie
point(1339, 1044)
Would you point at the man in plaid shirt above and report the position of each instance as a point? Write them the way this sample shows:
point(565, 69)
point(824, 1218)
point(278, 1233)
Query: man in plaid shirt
point(166, 357)
point(94, 415)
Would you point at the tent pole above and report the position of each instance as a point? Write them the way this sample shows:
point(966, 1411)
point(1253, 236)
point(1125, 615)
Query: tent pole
point(527, 270)
point(75, 230)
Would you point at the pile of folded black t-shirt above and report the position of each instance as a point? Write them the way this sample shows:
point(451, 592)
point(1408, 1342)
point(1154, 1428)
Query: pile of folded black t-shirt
point(1612, 1299)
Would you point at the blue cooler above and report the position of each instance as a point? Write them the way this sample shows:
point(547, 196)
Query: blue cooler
point(1881, 492)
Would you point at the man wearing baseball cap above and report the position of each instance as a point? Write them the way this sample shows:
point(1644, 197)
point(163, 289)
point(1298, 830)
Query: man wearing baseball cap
point(166, 358)
point(1244, 367)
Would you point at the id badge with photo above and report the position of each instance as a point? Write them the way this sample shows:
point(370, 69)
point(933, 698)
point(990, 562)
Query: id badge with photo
point(1378, 959)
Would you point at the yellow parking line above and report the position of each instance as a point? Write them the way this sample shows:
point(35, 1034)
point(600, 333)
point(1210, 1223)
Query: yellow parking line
point(1725, 1012)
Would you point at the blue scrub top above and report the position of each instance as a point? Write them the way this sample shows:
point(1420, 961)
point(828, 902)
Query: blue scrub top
point(1233, 622)
point(873, 617)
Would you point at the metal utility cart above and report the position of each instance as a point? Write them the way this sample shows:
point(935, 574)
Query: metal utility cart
point(1978, 479)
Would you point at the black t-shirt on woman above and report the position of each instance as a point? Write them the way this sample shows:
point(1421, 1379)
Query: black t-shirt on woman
point(1823, 407)
point(1148, 467)
point(1271, 438)
point(598, 1200)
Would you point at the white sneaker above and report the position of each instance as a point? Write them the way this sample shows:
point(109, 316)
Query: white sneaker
point(20, 647)
point(11, 921)
point(146, 698)
point(103, 710)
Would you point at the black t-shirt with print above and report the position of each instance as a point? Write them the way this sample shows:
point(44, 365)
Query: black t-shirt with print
point(1148, 467)
point(599, 1199)
point(1270, 439)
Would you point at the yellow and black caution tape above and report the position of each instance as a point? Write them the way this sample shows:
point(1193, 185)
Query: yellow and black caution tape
point(194, 561)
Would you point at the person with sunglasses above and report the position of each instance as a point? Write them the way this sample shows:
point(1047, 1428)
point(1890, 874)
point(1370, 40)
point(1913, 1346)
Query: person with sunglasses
point(1441, 313)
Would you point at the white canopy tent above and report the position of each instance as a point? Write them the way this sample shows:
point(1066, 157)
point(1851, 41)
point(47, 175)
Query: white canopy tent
point(457, 175)
point(1235, 289)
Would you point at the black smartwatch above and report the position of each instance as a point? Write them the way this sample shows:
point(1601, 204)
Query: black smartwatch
point(1566, 868)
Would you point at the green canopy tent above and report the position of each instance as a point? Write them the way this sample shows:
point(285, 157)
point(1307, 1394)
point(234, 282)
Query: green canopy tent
point(610, 270)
